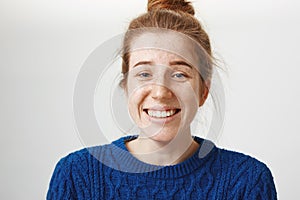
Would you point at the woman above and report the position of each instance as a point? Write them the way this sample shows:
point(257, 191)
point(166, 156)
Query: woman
point(167, 67)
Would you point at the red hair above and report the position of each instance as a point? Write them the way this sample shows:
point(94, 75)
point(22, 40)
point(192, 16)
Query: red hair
point(176, 15)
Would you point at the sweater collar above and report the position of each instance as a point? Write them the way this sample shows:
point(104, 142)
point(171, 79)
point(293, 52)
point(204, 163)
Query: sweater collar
point(128, 163)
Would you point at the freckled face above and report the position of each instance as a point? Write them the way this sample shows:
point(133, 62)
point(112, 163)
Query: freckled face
point(163, 93)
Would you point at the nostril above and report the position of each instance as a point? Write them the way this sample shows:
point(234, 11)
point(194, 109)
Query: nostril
point(161, 92)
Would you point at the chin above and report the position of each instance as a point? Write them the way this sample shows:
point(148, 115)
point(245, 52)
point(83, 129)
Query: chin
point(163, 136)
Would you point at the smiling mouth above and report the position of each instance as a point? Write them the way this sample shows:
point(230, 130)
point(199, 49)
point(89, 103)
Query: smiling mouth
point(161, 113)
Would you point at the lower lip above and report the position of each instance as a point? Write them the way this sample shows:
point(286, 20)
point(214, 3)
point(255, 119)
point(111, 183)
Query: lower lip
point(163, 120)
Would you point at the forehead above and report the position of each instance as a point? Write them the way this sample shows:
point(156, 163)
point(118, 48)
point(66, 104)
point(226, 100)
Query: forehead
point(163, 46)
point(155, 55)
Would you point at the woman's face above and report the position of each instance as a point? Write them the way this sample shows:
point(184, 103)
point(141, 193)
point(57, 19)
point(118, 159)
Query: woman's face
point(163, 90)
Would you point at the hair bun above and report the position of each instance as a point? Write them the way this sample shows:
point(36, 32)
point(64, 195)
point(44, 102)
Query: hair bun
point(176, 5)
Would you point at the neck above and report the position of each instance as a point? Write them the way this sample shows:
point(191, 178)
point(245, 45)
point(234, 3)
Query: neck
point(161, 153)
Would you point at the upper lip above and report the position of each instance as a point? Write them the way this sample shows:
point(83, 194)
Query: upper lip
point(161, 108)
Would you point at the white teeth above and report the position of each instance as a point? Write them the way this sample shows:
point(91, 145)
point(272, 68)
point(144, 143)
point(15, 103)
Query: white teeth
point(161, 114)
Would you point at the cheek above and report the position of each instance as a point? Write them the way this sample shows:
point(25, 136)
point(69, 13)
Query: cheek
point(187, 93)
point(135, 101)
point(135, 97)
point(133, 107)
point(188, 99)
point(132, 84)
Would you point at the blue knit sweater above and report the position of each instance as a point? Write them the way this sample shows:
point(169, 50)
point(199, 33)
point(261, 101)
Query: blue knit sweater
point(111, 172)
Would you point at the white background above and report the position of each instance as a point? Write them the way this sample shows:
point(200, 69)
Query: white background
point(44, 43)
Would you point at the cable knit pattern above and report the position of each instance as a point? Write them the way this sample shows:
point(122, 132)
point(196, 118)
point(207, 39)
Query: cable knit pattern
point(111, 172)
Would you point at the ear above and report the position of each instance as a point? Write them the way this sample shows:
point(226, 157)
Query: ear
point(203, 95)
point(123, 86)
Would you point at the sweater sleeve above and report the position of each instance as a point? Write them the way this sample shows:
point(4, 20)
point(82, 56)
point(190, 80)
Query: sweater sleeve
point(262, 186)
point(250, 179)
point(60, 187)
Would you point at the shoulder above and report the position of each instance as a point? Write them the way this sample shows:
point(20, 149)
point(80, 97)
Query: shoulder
point(241, 161)
point(104, 153)
point(248, 176)
point(79, 161)
point(62, 181)
point(68, 166)
point(74, 172)
point(229, 159)
point(240, 165)
point(84, 156)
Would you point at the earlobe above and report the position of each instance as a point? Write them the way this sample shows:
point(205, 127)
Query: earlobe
point(203, 95)
point(123, 86)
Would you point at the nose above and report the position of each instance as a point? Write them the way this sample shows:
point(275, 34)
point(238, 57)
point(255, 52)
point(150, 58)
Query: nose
point(161, 92)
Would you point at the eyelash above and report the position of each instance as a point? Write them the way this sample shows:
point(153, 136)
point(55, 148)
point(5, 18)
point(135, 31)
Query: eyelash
point(179, 73)
point(144, 75)
point(176, 75)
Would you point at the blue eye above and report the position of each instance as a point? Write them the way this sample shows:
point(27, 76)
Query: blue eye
point(179, 75)
point(144, 74)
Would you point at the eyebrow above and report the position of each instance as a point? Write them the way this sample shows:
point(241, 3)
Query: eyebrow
point(181, 62)
point(177, 62)
point(143, 63)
